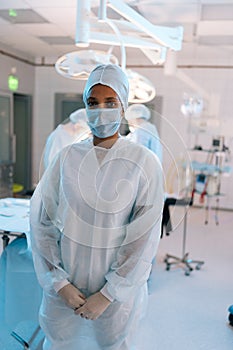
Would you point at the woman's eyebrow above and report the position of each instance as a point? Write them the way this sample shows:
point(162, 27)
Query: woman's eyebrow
point(111, 98)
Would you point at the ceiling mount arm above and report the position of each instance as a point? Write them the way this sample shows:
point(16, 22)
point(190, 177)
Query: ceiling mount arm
point(103, 18)
point(82, 23)
point(102, 15)
point(166, 36)
point(119, 37)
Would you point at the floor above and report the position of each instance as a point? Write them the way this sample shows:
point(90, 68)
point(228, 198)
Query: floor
point(185, 312)
point(191, 312)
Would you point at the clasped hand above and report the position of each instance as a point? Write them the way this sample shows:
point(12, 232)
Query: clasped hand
point(90, 308)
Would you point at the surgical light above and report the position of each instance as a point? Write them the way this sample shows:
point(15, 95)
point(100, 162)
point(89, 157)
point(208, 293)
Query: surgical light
point(141, 90)
point(78, 64)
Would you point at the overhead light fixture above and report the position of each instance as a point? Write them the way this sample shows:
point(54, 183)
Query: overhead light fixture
point(22, 16)
point(141, 90)
point(78, 64)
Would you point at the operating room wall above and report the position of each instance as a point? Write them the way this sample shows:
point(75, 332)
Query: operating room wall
point(173, 124)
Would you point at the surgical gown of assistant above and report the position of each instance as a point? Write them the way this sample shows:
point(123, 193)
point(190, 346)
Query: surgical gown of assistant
point(147, 135)
point(61, 137)
point(96, 222)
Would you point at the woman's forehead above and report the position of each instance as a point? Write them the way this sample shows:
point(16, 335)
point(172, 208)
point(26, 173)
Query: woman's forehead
point(100, 90)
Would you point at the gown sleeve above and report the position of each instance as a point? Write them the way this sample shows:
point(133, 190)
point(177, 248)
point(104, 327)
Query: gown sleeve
point(155, 145)
point(148, 138)
point(135, 255)
point(45, 234)
point(49, 151)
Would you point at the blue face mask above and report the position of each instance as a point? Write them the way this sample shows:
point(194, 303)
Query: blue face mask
point(104, 122)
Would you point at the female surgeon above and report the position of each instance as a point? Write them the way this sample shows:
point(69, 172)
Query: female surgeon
point(95, 227)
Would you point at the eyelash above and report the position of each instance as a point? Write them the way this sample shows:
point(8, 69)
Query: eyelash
point(110, 104)
point(92, 104)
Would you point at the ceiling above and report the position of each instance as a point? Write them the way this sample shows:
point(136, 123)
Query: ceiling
point(45, 30)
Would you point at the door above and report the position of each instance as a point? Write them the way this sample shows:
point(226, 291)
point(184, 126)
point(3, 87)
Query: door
point(6, 145)
point(23, 129)
point(65, 104)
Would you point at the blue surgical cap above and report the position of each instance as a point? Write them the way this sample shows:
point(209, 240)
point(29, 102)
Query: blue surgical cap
point(136, 111)
point(112, 76)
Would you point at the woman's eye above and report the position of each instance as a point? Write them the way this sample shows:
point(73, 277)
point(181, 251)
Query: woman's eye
point(111, 104)
point(92, 104)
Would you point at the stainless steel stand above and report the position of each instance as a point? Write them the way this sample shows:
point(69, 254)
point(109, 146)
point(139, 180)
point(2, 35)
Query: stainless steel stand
point(185, 262)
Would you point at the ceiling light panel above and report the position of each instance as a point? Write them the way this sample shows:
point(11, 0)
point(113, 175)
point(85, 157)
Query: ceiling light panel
point(20, 16)
point(217, 12)
point(45, 29)
point(216, 40)
point(57, 40)
point(58, 14)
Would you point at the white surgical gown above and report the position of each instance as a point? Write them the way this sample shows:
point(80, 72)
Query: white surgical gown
point(95, 221)
point(147, 135)
point(61, 137)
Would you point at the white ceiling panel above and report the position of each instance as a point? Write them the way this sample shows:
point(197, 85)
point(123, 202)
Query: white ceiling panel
point(13, 40)
point(215, 28)
point(58, 15)
point(51, 3)
point(173, 12)
point(13, 4)
point(8, 31)
point(68, 30)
